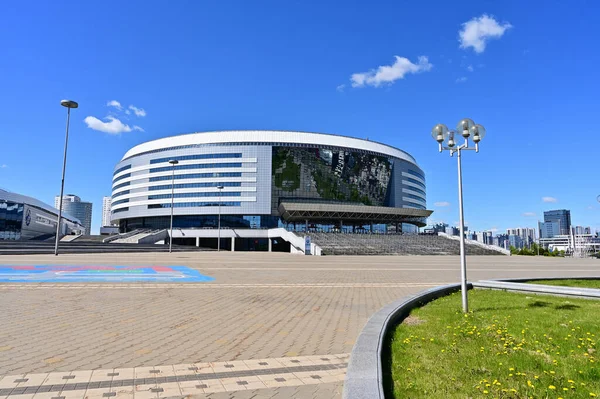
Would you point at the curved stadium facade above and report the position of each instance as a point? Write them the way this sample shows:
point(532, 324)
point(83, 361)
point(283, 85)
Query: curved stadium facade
point(268, 178)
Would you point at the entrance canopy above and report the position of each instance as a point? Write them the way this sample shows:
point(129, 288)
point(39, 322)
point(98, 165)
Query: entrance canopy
point(351, 214)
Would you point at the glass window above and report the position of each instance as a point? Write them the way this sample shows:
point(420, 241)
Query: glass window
point(415, 173)
point(197, 185)
point(196, 156)
point(198, 166)
point(197, 176)
point(193, 204)
point(126, 175)
point(121, 185)
point(122, 169)
point(417, 182)
point(192, 195)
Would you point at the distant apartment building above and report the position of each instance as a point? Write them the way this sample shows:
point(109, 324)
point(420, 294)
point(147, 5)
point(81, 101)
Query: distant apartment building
point(106, 201)
point(515, 241)
point(527, 234)
point(74, 206)
point(501, 240)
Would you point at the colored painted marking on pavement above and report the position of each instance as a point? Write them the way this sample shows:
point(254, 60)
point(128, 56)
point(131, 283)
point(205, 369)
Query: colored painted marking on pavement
point(93, 273)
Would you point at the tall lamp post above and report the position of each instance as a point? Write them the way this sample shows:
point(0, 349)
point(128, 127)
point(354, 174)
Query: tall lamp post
point(173, 162)
point(446, 141)
point(68, 104)
point(220, 188)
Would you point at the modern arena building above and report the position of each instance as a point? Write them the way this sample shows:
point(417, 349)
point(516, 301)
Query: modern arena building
point(267, 179)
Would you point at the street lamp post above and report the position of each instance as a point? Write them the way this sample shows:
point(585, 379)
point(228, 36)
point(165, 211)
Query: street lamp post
point(446, 141)
point(68, 104)
point(173, 162)
point(220, 188)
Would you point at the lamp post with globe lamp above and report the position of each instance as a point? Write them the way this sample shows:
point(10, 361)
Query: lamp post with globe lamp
point(447, 141)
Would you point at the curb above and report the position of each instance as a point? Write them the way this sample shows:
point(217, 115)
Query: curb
point(364, 378)
point(514, 286)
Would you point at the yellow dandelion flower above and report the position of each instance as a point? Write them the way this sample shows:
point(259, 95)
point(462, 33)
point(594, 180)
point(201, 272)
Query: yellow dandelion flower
point(551, 387)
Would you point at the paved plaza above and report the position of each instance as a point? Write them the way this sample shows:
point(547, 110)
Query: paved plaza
point(267, 326)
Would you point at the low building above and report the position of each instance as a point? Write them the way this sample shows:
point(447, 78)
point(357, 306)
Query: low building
point(26, 218)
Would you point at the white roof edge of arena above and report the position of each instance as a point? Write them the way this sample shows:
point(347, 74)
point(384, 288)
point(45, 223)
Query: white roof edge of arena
point(24, 199)
point(269, 136)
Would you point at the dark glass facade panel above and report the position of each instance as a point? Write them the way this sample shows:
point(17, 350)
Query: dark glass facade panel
point(126, 175)
point(418, 190)
point(122, 169)
point(120, 202)
point(11, 220)
point(194, 195)
point(199, 221)
point(329, 175)
point(415, 173)
point(198, 166)
point(120, 210)
point(196, 156)
point(197, 176)
point(121, 193)
point(413, 196)
point(196, 185)
point(121, 185)
point(418, 183)
point(193, 204)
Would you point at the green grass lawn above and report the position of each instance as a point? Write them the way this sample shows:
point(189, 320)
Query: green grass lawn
point(509, 346)
point(570, 283)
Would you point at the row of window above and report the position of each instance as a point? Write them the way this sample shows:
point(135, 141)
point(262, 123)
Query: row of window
point(417, 182)
point(185, 185)
point(121, 193)
point(119, 202)
point(415, 173)
point(198, 166)
point(122, 169)
point(121, 177)
point(192, 195)
point(415, 206)
point(196, 156)
point(196, 185)
point(197, 176)
point(416, 189)
point(121, 185)
point(413, 196)
point(120, 210)
point(193, 204)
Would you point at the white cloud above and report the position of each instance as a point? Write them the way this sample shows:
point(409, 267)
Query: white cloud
point(549, 199)
point(4, 166)
point(388, 74)
point(462, 79)
point(139, 129)
point(113, 126)
point(137, 111)
point(476, 32)
point(341, 87)
point(529, 214)
point(441, 203)
point(470, 68)
point(589, 207)
point(114, 103)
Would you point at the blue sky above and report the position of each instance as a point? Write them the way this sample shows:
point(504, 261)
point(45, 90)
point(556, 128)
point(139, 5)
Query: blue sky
point(527, 71)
